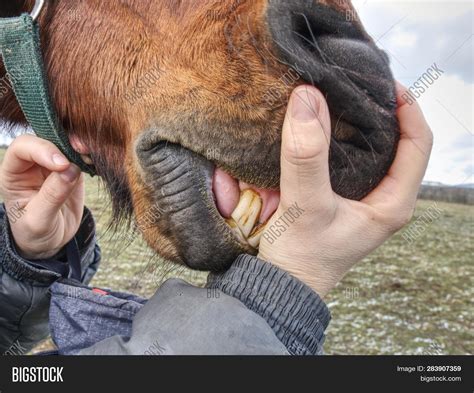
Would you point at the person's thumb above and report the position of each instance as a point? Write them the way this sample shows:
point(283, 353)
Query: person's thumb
point(305, 150)
point(54, 192)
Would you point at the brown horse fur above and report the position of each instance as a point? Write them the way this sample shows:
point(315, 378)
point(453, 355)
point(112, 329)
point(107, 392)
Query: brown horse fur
point(197, 73)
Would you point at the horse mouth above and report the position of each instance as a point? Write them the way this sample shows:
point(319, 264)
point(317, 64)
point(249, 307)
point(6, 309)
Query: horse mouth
point(210, 215)
point(246, 208)
point(215, 206)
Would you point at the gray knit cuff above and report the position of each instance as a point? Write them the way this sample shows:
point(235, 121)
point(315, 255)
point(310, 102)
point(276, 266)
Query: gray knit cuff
point(297, 315)
point(31, 271)
point(15, 266)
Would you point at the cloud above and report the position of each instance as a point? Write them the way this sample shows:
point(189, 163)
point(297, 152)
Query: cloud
point(427, 10)
point(418, 35)
point(448, 109)
point(401, 39)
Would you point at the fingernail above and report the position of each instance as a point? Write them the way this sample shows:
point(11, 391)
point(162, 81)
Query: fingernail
point(304, 105)
point(71, 174)
point(59, 159)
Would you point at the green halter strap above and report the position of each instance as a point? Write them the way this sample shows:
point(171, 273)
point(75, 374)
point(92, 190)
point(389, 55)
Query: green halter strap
point(21, 52)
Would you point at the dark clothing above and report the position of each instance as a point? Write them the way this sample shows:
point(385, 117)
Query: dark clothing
point(253, 308)
point(24, 286)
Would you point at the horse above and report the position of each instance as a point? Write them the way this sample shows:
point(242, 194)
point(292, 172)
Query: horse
point(163, 95)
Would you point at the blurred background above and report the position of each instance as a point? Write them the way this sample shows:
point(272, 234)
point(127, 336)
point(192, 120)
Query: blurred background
point(414, 295)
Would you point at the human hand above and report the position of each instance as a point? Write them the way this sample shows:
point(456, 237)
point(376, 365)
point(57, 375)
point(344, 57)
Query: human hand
point(331, 233)
point(46, 192)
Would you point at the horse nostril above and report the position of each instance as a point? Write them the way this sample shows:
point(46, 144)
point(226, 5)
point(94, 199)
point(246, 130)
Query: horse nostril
point(307, 20)
point(307, 32)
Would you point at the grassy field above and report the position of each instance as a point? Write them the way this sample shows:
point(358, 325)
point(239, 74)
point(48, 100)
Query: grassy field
point(409, 297)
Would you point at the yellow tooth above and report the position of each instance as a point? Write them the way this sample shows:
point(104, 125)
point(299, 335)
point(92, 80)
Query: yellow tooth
point(247, 212)
point(237, 232)
point(256, 236)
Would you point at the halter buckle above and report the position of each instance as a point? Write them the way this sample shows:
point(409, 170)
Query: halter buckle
point(39, 4)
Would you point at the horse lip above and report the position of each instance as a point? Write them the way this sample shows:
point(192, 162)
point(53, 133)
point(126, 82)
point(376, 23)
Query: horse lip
point(253, 157)
point(180, 183)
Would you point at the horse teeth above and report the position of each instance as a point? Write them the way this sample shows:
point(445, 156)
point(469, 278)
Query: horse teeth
point(247, 212)
point(244, 221)
point(236, 231)
point(256, 236)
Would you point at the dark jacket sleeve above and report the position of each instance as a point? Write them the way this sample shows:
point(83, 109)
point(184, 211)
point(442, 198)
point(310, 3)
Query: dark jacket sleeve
point(295, 313)
point(24, 286)
point(252, 309)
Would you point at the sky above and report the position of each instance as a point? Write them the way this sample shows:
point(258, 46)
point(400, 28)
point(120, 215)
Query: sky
point(416, 35)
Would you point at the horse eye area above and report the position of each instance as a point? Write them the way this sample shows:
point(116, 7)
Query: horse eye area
point(216, 180)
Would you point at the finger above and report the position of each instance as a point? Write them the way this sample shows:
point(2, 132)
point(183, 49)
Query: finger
point(408, 170)
point(305, 149)
point(55, 191)
point(75, 201)
point(28, 150)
